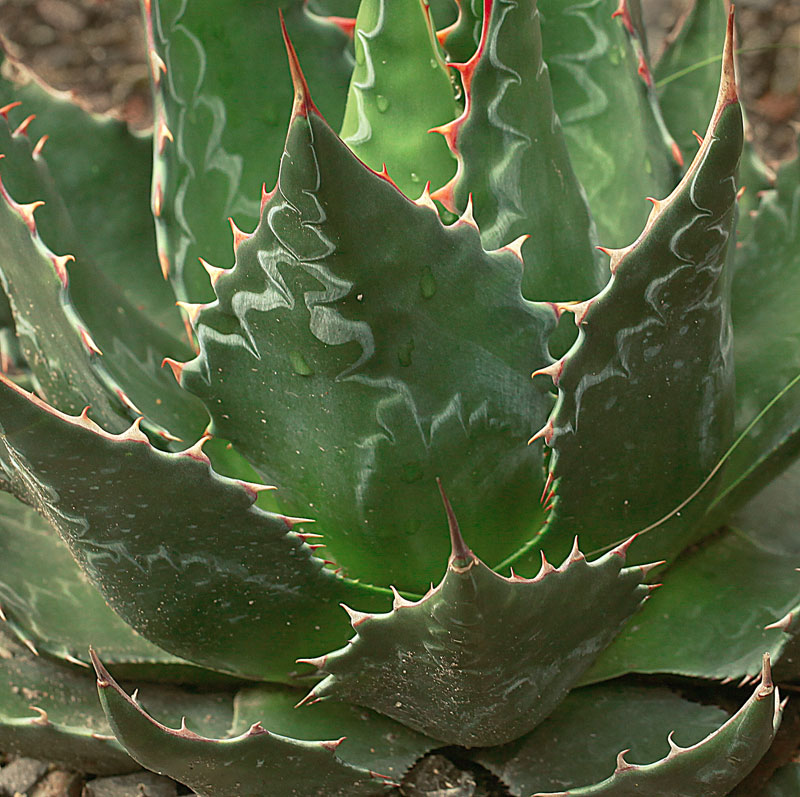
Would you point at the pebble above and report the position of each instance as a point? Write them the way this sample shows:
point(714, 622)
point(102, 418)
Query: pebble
point(20, 775)
point(58, 783)
point(437, 776)
point(140, 784)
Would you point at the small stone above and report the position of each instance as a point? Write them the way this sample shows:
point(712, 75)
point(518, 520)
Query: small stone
point(437, 776)
point(20, 775)
point(62, 15)
point(58, 784)
point(140, 784)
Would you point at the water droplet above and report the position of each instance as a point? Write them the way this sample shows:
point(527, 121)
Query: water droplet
point(404, 353)
point(382, 103)
point(614, 55)
point(434, 64)
point(300, 365)
point(427, 283)
point(415, 178)
point(648, 166)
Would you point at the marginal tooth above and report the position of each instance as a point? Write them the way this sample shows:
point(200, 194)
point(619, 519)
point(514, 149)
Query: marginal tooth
point(256, 729)
point(546, 433)
point(31, 647)
point(134, 432)
point(740, 192)
point(126, 400)
point(446, 195)
point(163, 433)
point(645, 569)
point(163, 261)
point(308, 700)
point(331, 746)
point(656, 202)
point(766, 687)
point(3, 615)
point(467, 217)
point(196, 451)
point(238, 235)
point(158, 200)
point(42, 718)
point(622, 764)
point(39, 146)
point(425, 200)
point(674, 749)
point(157, 66)
point(87, 341)
point(698, 137)
point(163, 135)
point(319, 662)
point(192, 309)
point(72, 660)
point(60, 265)
point(783, 624)
point(266, 196)
point(399, 602)
point(547, 485)
point(677, 155)
point(253, 488)
point(622, 549)
point(356, 617)
point(553, 370)
point(575, 554)
point(6, 108)
point(459, 550)
point(22, 127)
point(175, 367)
point(213, 272)
point(515, 247)
point(644, 71)
point(545, 569)
point(27, 211)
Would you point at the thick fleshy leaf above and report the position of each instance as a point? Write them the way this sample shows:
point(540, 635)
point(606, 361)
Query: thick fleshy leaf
point(712, 767)
point(371, 740)
point(766, 344)
point(48, 601)
point(405, 348)
point(460, 38)
point(400, 89)
point(513, 160)
point(725, 603)
point(250, 765)
point(482, 659)
point(578, 742)
point(603, 106)
point(645, 396)
point(219, 137)
point(104, 171)
point(67, 725)
point(68, 310)
point(249, 606)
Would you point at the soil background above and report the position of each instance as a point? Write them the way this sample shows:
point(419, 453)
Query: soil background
point(96, 49)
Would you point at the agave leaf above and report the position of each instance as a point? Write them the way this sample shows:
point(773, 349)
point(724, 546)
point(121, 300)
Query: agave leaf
point(648, 385)
point(603, 106)
point(217, 138)
point(372, 741)
point(248, 765)
point(400, 88)
point(104, 170)
point(225, 606)
point(712, 767)
point(767, 353)
point(481, 658)
point(686, 78)
point(68, 311)
point(784, 783)
point(460, 38)
point(67, 725)
point(724, 604)
point(513, 159)
point(369, 334)
point(48, 602)
point(578, 742)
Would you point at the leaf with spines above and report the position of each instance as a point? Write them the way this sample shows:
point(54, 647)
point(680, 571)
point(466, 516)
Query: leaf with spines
point(371, 335)
point(513, 160)
point(218, 138)
point(249, 765)
point(390, 108)
point(460, 38)
point(648, 386)
point(248, 607)
point(482, 659)
point(712, 767)
point(603, 107)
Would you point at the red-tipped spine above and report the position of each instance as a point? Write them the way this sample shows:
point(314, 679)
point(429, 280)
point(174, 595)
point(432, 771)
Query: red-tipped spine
point(302, 96)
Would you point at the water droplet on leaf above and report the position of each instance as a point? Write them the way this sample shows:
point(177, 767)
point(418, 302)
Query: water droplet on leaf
point(300, 365)
point(427, 283)
point(382, 103)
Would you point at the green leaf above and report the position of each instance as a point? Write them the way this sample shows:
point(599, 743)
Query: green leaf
point(784, 783)
point(218, 137)
point(49, 603)
point(645, 396)
point(460, 39)
point(766, 315)
point(62, 305)
point(482, 659)
point(248, 765)
point(513, 160)
point(103, 170)
point(712, 767)
point(686, 77)
point(371, 741)
point(369, 334)
point(400, 88)
point(722, 605)
point(249, 607)
point(68, 727)
point(578, 742)
point(603, 106)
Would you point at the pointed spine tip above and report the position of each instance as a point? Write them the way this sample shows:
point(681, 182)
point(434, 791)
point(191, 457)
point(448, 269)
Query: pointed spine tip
point(175, 367)
point(302, 96)
point(163, 261)
point(22, 128)
point(39, 146)
point(425, 200)
point(459, 551)
point(196, 452)
point(291, 522)
point(238, 235)
point(575, 555)
point(624, 13)
point(87, 341)
point(766, 686)
point(554, 371)
point(784, 624)
point(60, 265)
point(332, 745)
point(157, 66)
point(677, 155)
point(163, 135)
point(41, 719)
point(345, 24)
point(191, 309)
point(545, 568)
point(446, 195)
point(9, 107)
point(356, 617)
point(214, 273)
point(26, 212)
point(545, 433)
point(622, 764)
point(515, 247)
point(622, 549)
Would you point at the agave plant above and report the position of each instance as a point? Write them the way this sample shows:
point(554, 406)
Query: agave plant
point(463, 286)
